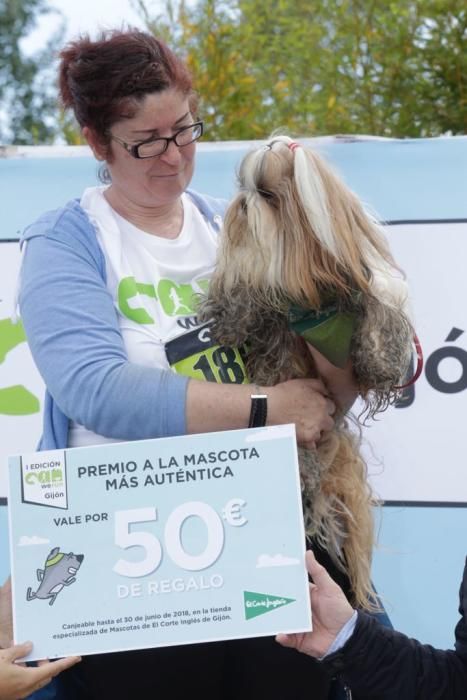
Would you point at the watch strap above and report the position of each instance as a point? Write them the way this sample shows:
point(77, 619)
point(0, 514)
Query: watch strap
point(259, 410)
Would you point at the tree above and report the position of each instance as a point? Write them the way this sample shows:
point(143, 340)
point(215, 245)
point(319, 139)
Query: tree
point(329, 66)
point(28, 97)
point(444, 92)
point(208, 39)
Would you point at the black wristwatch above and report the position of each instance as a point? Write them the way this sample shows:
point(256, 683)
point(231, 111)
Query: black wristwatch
point(259, 409)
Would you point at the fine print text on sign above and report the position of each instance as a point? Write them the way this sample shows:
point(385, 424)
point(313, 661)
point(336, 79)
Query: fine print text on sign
point(158, 543)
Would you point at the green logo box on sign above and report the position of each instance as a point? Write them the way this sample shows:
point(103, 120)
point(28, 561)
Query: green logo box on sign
point(158, 542)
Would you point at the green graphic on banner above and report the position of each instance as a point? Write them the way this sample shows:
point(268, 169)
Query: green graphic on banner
point(11, 335)
point(262, 603)
point(18, 401)
point(14, 400)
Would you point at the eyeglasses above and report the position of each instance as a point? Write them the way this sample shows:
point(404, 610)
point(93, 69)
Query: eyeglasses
point(156, 147)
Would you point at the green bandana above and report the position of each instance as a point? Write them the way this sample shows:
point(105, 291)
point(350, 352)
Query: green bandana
point(329, 331)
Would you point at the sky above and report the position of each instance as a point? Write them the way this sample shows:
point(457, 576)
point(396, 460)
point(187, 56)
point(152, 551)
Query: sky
point(88, 16)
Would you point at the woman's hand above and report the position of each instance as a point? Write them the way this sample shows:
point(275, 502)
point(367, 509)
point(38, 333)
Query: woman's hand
point(304, 402)
point(6, 615)
point(330, 608)
point(340, 382)
point(18, 681)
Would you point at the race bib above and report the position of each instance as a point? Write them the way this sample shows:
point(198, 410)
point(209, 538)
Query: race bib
point(197, 355)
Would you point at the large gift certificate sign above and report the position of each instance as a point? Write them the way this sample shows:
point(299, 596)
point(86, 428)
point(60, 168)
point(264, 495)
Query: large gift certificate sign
point(158, 542)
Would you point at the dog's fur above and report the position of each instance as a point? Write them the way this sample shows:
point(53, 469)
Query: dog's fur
point(295, 234)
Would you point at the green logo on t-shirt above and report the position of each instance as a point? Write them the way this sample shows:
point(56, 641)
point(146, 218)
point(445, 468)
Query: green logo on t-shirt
point(174, 299)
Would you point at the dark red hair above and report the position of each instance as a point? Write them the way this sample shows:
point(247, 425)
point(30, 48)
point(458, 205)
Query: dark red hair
point(104, 80)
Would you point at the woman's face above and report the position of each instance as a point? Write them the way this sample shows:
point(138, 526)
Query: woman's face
point(158, 181)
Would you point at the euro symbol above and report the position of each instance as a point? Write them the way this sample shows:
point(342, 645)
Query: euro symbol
point(232, 512)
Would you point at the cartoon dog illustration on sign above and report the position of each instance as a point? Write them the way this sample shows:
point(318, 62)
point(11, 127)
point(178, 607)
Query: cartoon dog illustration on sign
point(60, 570)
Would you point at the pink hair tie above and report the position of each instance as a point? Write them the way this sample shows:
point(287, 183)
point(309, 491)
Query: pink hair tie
point(293, 146)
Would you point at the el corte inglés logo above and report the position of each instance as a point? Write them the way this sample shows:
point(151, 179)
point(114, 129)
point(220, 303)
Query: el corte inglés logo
point(262, 603)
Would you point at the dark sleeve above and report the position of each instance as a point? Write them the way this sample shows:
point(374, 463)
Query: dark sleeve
point(461, 627)
point(382, 664)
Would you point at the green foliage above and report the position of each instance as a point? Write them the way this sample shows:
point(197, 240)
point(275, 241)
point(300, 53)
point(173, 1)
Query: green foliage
point(27, 85)
point(444, 93)
point(329, 66)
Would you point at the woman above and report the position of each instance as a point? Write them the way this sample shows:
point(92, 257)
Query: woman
point(108, 282)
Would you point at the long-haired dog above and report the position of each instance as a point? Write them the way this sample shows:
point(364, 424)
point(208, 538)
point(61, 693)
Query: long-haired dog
point(301, 260)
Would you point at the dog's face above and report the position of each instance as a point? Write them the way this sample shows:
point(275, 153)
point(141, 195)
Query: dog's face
point(275, 242)
point(63, 565)
point(73, 561)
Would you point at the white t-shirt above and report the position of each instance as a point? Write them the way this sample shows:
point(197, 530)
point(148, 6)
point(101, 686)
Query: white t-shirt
point(153, 282)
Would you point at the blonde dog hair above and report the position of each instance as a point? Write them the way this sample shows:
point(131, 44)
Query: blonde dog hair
point(295, 234)
point(293, 199)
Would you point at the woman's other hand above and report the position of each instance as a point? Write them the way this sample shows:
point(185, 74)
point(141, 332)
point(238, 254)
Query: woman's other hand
point(304, 402)
point(18, 681)
point(6, 615)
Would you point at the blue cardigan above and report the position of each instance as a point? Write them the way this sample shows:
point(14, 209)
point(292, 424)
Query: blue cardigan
point(73, 333)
